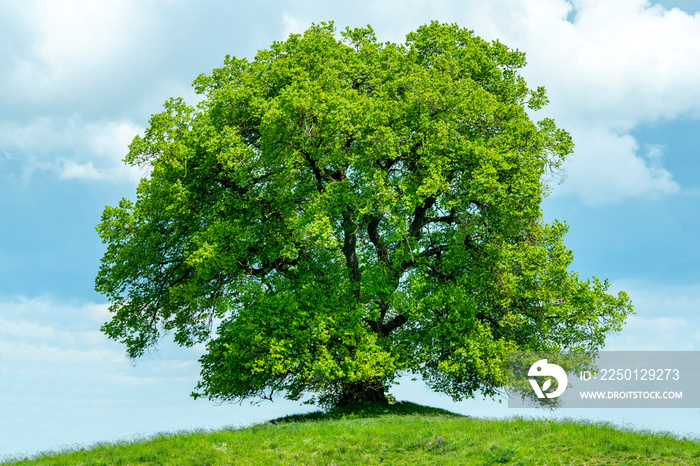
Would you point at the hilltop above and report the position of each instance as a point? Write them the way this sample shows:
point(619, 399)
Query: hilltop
point(402, 433)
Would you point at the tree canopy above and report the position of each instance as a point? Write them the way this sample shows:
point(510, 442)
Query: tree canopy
point(339, 211)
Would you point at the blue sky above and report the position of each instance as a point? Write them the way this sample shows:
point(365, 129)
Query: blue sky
point(81, 78)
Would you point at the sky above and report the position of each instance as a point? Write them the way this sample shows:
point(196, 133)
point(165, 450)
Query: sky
point(79, 79)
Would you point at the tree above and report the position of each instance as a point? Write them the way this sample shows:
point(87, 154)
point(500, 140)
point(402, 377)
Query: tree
point(337, 212)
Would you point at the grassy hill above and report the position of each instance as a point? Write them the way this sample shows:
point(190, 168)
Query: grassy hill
point(403, 433)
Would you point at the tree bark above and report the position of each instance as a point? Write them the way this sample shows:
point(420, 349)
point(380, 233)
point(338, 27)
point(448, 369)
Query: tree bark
point(349, 250)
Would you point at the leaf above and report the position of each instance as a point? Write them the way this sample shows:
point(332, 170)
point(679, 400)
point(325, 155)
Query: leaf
point(546, 384)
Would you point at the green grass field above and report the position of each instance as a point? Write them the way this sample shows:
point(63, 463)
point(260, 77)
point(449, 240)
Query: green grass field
point(403, 433)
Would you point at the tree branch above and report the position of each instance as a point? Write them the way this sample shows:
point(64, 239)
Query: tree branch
point(349, 250)
point(317, 172)
point(394, 323)
point(228, 184)
point(414, 231)
point(482, 206)
point(433, 251)
point(385, 329)
point(375, 238)
point(444, 219)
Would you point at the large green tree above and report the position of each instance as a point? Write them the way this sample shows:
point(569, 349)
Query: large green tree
point(340, 211)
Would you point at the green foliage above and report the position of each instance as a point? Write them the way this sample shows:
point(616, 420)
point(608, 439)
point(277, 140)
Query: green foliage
point(341, 211)
point(364, 410)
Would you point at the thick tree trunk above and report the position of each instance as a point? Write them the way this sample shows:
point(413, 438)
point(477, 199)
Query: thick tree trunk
point(372, 391)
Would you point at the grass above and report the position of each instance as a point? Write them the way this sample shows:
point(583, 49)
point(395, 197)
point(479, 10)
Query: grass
point(402, 434)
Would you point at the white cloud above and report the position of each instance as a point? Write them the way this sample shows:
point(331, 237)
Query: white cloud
point(46, 331)
point(52, 344)
point(61, 378)
point(72, 149)
point(111, 139)
point(292, 25)
point(653, 334)
point(665, 327)
point(655, 300)
point(607, 167)
point(73, 39)
point(84, 171)
point(39, 310)
point(666, 318)
point(618, 65)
